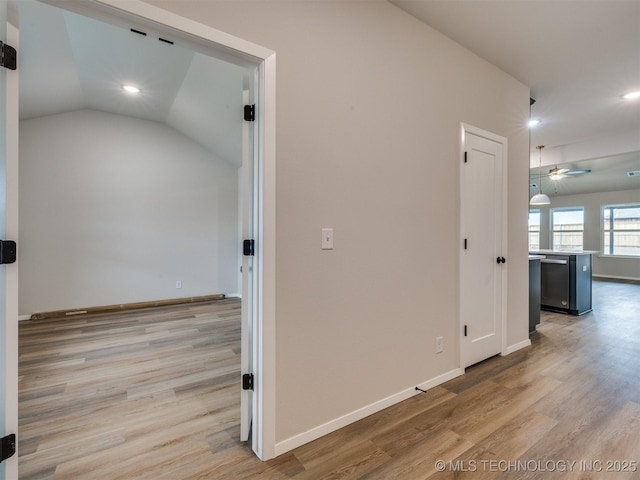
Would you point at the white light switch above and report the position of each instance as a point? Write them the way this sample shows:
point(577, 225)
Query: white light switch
point(327, 239)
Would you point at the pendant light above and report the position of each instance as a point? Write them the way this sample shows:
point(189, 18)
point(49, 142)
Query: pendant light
point(540, 198)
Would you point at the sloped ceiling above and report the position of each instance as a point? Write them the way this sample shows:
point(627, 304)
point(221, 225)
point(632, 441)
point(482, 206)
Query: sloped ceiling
point(70, 62)
point(577, 57)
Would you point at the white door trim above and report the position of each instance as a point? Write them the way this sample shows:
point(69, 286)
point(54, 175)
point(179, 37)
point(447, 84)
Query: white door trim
point(464, 129)
point(228, 47)
point(11, 272)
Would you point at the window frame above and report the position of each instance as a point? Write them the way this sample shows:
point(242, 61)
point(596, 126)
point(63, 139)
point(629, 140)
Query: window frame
point(539, 231)
point(552, 230)
point(612, 231)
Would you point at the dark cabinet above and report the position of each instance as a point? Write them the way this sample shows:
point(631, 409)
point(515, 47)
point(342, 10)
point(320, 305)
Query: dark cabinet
point(534, 293)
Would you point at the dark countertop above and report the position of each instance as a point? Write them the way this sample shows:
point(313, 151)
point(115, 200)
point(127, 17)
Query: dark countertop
point(563, 252)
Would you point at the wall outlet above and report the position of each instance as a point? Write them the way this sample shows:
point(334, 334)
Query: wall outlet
point(178, 283)
point(439, 344)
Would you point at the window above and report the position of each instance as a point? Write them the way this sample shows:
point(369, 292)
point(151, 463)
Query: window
point(621, 230)
point(534, 230)
point(567, 228)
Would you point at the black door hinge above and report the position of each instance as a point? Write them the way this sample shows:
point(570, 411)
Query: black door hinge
point(7, 251)
point(247, 381)
point(465, 243)
point(7, 447)
point(8, 56)
point(465, 157)
point(465, 330)
point(248, 248)
point(249, 113)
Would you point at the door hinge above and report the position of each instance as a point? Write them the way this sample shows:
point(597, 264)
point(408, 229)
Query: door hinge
point(7, 447)
point(247, 381)
point(465, 330)
point(465, 243)
point(7, 251)
point(249, 113)
point(465, 157)
point(8, 56)
point(248, 248)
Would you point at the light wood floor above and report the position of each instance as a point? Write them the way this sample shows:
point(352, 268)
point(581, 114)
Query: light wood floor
point(94, 405)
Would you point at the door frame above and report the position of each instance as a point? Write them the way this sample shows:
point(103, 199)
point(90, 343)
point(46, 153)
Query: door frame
point(247, 278)
point(464, 129)
point(10, 346)
point(211, 41)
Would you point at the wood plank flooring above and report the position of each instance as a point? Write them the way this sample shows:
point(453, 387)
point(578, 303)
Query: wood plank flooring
point(156, 396)
point(130, 395)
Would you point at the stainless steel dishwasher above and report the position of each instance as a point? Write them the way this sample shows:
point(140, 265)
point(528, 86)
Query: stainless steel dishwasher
point(555, 282)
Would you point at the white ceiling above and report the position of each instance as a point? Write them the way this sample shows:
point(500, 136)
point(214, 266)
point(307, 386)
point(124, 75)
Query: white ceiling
point(70, 62)
point(606, 172)
point(578, 57)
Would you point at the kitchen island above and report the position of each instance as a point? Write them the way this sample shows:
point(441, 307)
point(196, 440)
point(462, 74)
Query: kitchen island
point(565, 284)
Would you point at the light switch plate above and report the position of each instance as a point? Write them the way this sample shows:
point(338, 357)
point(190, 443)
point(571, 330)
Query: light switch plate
point(327, 239)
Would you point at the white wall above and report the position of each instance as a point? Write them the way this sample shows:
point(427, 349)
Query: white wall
point(592, 204)
point(369, 105)
point(115, 210)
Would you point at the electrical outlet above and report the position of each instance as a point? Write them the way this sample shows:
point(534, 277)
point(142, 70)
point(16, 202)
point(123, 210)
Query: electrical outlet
point(178, 283)
point(439, 344)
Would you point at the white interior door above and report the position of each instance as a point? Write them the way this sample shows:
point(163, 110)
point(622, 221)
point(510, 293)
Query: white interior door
point(8, 231)
point(248, 277)
point(482, 271)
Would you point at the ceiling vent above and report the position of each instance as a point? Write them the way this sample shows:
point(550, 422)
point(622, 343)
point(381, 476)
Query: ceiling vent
point(633, 173)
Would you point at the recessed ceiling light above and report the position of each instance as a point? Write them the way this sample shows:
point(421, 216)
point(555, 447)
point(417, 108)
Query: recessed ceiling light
point(131, 89)
point(631, 95)
point(533, 123)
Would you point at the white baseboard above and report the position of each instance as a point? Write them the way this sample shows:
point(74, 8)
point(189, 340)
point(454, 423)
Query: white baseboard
point(515, 347)
point(333, 425)
point(616, 277)
point(24, 317)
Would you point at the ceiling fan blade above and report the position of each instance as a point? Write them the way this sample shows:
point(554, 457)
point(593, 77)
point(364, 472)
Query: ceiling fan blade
point(577, 172)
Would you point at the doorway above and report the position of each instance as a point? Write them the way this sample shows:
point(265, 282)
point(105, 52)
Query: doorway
point(483, 241)
point(205, 38)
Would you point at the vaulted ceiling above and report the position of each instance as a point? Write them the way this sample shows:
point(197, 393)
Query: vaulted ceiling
point(577, 57)
point(70, 62)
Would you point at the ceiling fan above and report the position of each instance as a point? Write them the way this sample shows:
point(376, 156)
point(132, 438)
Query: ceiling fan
point(557, 173)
